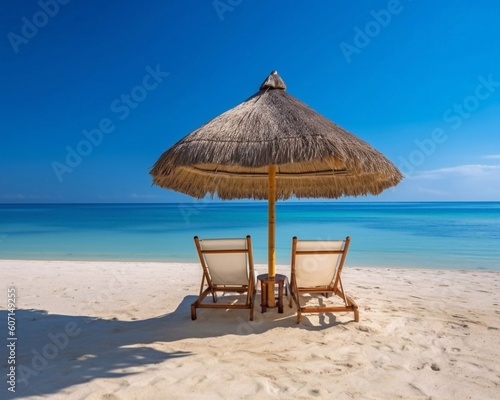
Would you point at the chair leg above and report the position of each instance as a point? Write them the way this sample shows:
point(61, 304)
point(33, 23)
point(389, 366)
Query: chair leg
point(252, 301)
point(352, 303)
point(193, 311)
point(292, 296)
point(355, 310)
point(297, 300)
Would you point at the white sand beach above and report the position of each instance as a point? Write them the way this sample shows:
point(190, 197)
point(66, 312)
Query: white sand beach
point(122, 330)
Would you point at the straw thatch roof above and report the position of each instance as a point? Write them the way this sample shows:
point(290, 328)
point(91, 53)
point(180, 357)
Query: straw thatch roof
point(229, 155)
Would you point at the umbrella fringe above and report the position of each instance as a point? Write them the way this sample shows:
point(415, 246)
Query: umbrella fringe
point(224, 187)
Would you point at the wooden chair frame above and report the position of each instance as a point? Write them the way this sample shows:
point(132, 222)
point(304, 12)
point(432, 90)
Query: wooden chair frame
point(249, 289)
point(334, 287)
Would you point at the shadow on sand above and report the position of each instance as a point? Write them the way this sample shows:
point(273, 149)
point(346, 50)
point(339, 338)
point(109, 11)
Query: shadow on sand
point(100, 348)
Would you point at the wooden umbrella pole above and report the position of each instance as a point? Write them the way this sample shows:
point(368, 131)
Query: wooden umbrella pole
point(271, 234)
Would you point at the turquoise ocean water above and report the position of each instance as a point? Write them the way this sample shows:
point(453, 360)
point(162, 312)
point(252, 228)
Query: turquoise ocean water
point(430, 235)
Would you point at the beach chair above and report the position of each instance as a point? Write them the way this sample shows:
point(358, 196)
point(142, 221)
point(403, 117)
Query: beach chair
point(316, 269)
point(227, 267)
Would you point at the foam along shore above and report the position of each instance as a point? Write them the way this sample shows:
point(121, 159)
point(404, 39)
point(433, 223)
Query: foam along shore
point(122, 330)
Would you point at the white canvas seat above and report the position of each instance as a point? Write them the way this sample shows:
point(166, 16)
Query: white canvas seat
point(316, 269)
point(227, 267)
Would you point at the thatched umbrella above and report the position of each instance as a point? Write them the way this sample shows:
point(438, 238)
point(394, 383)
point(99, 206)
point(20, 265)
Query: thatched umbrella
point(273, 146)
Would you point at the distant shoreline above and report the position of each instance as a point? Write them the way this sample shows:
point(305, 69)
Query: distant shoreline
point(260, 267)
point(458, 235)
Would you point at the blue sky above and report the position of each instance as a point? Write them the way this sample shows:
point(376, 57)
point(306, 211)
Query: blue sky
point(94, 91)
